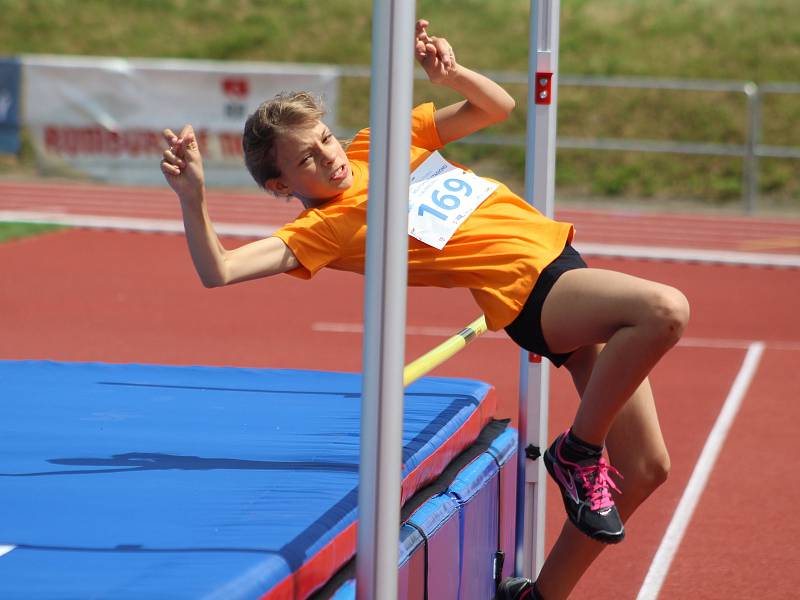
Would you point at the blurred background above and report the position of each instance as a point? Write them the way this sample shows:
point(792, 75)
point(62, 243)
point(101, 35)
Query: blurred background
point(687, 105)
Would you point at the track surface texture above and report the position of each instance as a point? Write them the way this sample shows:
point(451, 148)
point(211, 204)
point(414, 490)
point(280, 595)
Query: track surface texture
point(88, 294)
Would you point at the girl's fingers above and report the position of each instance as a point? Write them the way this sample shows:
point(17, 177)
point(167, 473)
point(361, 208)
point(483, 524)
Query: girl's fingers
point(169, 136)
point(422, 25)
point(444, 50)
point(187, 139)
point(431, 53)
point(186, 131)
point(169, 169)
point(172, 159)
point(433, 48)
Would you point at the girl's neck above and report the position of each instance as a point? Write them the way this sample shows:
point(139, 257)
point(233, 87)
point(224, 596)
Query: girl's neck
point(310, 202)
point(315, 202)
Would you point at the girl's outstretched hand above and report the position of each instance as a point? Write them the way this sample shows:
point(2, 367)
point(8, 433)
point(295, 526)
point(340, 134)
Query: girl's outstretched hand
point(435, 54)
point(182, 164)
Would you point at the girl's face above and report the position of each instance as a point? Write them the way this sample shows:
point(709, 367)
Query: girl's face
point(313, 165)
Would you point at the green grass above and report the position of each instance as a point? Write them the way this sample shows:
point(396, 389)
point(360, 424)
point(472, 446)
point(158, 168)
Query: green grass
point(12, 231)
point(738, 39)
point(756, 40)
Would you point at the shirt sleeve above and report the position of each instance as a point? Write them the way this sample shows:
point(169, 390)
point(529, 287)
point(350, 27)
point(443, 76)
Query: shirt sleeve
point(312, 241)
point(423, 127)
point(423, 134)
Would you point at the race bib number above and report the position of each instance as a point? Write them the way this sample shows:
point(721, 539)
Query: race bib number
point(441, 197)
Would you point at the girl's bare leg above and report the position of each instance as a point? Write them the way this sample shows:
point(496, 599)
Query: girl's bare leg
point(636, 319)
point(636, 446)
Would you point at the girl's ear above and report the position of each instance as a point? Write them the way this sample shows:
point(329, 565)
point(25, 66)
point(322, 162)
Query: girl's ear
point(276, 186)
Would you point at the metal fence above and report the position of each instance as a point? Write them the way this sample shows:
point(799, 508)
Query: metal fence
point(750, 151)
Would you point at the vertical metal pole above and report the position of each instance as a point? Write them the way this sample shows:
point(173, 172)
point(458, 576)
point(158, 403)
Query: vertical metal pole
point(540, 161)
point(750, 166)
point(385, 300)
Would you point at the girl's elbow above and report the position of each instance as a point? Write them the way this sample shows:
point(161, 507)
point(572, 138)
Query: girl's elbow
point(214, 280)
point(216, 274)
point(210, 283)
point(510, 105)
point(504, 109)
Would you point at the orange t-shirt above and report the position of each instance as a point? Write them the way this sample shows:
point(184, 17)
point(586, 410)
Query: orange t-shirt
point(497, 252)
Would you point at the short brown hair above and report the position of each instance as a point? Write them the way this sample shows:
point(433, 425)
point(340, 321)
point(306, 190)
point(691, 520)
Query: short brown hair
point(261, 130)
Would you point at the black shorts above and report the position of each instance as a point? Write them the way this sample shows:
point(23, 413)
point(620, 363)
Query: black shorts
point(526, 329)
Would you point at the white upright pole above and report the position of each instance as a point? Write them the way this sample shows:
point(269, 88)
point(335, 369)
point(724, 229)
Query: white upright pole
point(385, 300)
point(540, 161)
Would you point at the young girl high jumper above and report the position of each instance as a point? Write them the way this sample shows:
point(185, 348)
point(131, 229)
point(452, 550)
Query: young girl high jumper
point(607, 328)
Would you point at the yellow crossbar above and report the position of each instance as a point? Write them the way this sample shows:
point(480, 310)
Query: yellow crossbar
point(430, 360)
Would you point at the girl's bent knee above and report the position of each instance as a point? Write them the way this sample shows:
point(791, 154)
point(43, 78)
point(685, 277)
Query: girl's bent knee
point(648, 475)
point(669, 314)
point(658, 472)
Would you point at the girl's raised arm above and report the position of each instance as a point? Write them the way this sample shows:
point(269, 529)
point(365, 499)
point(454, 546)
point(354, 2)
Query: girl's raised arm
point(485, 101)
point(182, 166)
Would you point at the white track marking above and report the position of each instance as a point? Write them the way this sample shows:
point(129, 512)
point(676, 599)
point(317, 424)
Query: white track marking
point(131, 224)
point(6, 549)
point(443, 332)
point(702, 470)
point(692, 255)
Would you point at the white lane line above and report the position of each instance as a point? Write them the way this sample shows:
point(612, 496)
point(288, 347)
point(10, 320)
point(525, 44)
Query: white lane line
point(443, 332)
point(130, 223)
point(6, 549)
point(702, 470)
point(690, 255)
point(728, 344)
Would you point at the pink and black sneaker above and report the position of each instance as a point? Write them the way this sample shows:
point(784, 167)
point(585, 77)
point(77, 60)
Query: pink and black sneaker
point(583, 476)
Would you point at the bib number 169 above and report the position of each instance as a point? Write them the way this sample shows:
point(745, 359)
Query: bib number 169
point(445, 201)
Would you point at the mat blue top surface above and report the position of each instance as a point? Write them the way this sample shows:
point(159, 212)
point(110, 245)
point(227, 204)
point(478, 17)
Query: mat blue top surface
point(137, 481)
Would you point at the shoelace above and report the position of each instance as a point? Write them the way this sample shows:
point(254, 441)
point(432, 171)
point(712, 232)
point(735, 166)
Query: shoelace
point(596, 480)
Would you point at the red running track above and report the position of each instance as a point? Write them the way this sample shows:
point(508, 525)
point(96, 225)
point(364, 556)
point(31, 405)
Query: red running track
point(133, 297)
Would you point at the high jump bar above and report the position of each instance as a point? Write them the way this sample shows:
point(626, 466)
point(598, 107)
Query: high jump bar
point(435, 357)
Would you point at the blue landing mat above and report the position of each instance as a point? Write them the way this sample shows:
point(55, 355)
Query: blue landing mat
point(135, 481)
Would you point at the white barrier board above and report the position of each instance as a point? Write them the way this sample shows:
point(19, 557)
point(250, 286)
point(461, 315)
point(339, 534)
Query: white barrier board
point(103, 117)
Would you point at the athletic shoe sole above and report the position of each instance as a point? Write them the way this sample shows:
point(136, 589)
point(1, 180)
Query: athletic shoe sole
point(504, 593)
